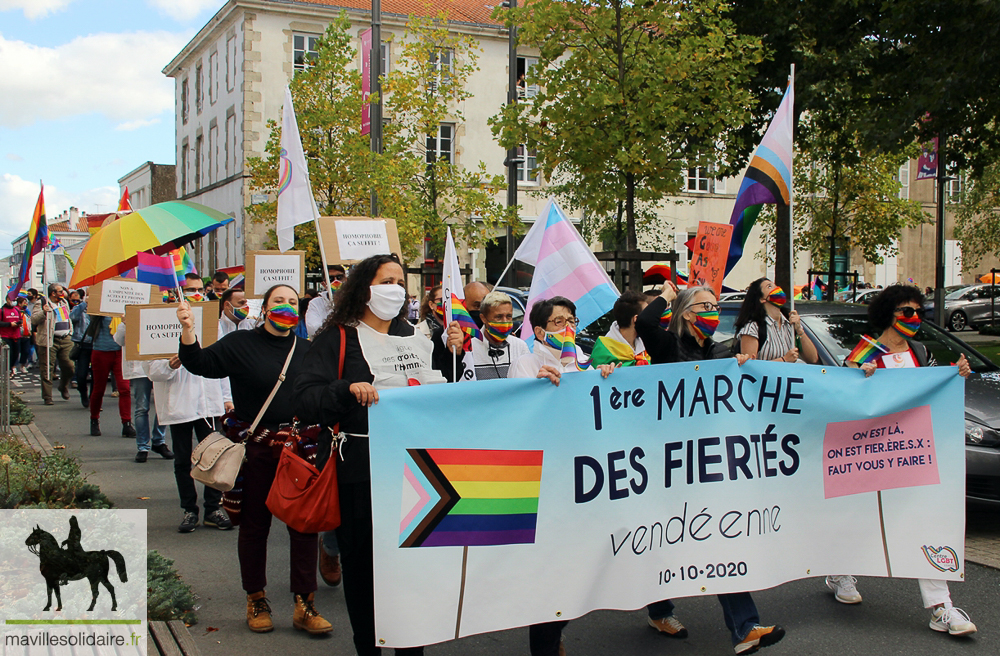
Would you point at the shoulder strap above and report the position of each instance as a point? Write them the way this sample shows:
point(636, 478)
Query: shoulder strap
point(281, 379)
point(343, 350)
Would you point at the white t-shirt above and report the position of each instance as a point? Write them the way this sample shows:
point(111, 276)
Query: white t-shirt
point(527, 365)
point(496, 360)
point(397, 361)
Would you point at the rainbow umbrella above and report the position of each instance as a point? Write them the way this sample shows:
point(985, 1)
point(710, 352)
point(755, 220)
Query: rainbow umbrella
point(160, 228)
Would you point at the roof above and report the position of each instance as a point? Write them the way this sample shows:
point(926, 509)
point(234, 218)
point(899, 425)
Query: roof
point(462, 11)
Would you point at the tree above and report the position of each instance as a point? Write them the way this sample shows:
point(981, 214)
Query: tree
point(629, 95)
point(424, 92)
point(846, 198)
point(977, 218)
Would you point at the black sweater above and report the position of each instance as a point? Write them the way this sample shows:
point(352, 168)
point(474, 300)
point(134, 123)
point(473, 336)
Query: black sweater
point(323, 398)
point(252, 360)
point(664, 346)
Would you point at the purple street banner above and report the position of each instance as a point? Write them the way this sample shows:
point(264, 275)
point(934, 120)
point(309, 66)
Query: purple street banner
point(927, 163)
point(532, 503)
point(366, 80)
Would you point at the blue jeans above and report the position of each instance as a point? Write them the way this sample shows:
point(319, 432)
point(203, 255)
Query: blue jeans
point(330, 543)
point(142, 389)
point(740, 613)
point(738, 609)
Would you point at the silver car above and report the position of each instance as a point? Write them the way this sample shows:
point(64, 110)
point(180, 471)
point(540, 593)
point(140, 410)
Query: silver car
point(971, 306)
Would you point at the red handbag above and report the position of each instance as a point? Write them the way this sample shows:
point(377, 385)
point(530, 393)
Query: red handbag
point(302, 496)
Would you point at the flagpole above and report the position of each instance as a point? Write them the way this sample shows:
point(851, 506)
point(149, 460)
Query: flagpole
point(791, 203)
point(500, 279)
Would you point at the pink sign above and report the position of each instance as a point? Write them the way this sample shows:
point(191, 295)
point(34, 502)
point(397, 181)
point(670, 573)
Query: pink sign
point(366, 80)
point(880, 453)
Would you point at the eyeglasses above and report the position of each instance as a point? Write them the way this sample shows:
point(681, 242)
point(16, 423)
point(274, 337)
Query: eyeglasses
point(338, 276)
point(562, 322)
point(709, 307)
point(908, 312)
point(193, 290)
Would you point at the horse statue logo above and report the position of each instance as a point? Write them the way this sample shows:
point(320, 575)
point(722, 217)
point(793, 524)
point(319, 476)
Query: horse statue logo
point(60, 565)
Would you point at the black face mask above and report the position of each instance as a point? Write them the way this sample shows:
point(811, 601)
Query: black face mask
point(475, 317)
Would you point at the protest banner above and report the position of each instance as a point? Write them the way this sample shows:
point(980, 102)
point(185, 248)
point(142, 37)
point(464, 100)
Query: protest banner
point(109, 298)
point(152, 332)
point(662, 481)
point(350, 239)
point(264, 269)
point(709, 255)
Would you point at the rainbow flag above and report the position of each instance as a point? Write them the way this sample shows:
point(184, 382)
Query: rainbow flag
point(666, 316)
point(867, 350)
point(61, 313)
point(38, 239)
point(465, 322)
point(155, 270)
point(608, 350)
point(768, 179)
point(182, 262)
point(453, 297)
point(233, 271)
point(566, 343)
point(469, 497)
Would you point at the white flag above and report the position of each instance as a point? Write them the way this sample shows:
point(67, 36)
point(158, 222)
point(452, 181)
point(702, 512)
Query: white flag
point(295, 200)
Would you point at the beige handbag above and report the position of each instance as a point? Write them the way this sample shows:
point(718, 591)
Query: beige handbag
point(216, 461)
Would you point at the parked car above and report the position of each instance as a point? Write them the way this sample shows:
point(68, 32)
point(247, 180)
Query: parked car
point(863, 296)
point(519, 301)
point(968, 306)
point(835, 328)
point(732, 296)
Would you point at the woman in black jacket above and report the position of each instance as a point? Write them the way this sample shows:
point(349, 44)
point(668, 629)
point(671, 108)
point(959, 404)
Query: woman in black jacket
point(369, 314)
point(253, 360)
point(694, 319)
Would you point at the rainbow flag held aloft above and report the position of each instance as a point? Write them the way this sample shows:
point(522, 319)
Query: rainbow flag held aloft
point(233, 271)
point(464, 319)
point(38, 239)
point(155, 270)
point(454, 296)
point(608, 350)
point(867, 350)
point(182, 262)
point(469, 497)
point(768, 179)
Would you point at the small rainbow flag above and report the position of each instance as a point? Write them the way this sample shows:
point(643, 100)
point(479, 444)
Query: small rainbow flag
point(233, 271)
point(566, 343)
point(469, 497)
point(666, 316)
point(612, 351)
point(867, 350)
point(465, 322)
point(182, 262)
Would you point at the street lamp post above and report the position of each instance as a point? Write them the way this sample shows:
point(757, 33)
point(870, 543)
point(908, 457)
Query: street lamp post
point(512, 159)
point(375, 57)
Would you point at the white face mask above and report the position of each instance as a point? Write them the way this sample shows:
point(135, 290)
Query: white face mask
point(386, 301)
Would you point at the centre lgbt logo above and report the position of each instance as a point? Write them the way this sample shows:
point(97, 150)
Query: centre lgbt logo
point(469, 497)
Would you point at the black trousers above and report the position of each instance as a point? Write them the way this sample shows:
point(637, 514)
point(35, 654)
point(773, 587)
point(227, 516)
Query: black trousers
point(544, 639)
point(180, 435)
point(357, 564)
point(82, 373)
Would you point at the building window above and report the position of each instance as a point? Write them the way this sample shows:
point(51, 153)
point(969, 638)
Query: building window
point(697, 181)
point(904, 181)
point(213, 154)
point(527, 168)
point(185, 101)
point(442, 145)
point(385, 59)
point(236, 142)
point(304, 51)
point(184, 168)
point(213, 78)
point(197, 162)
point(199, 87)
point(231, 63)
point(524, 66)
point(441, 65)
point(953, 187)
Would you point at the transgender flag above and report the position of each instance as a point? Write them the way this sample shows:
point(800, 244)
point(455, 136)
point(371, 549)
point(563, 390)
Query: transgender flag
point(768, 179)
point(564, 266)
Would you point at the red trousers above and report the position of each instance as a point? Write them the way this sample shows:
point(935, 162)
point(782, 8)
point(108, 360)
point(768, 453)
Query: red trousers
point(104, 363)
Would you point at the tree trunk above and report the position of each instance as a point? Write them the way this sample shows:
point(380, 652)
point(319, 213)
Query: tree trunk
point(830, 290)
point(631, 239)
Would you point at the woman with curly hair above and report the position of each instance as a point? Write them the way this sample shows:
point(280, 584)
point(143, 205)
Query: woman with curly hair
point(766, 330)
point(368, 322)
point(896, 315)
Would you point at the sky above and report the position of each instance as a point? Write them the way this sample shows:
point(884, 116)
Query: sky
point(83, 100)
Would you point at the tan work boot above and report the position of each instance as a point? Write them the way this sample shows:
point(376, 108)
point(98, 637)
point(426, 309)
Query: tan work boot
point(306, 617)
point(259, 613)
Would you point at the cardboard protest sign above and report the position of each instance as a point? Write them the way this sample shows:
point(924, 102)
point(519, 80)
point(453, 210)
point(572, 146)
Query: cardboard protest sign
point(152, 332)
point(264, 269)
point(708, 258)
point(109, 298)
point(350, 239)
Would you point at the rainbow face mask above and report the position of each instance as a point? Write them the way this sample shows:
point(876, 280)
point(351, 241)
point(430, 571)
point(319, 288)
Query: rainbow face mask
point(563, 344)
point(777, 296)
point(705, 324)
point(283, 317)
point(497, 331)
point(240, 313)
point(907, 327)
point(335, 284)
point(194, 297)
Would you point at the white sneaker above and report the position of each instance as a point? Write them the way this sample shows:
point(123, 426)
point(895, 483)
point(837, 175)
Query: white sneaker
point(952, 620)
point(844, 589)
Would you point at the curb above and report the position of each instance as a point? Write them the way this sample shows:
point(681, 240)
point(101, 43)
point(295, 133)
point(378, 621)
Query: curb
point(30, 434)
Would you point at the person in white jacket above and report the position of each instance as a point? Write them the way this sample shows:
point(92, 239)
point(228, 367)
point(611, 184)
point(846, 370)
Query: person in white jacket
point(189, 405)
point(235, 312)
point(142, 392)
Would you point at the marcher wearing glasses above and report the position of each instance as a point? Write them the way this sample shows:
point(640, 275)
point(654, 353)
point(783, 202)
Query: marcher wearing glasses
point(320, 307)
point(694, 318)
point(766, 329)
point(896, 315)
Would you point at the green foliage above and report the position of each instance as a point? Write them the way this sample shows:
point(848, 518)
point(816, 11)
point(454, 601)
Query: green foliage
point(29, 479)
point(422, 198)
point(988, 329)
point(168, 597)
point(977, 218)
point(20, 413)
point(629, 95)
